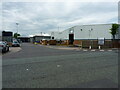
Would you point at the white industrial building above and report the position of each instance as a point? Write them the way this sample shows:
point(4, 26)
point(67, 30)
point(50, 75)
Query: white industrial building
point(82, 32)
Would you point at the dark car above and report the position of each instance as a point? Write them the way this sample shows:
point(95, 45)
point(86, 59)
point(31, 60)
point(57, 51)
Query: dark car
point(4, 47)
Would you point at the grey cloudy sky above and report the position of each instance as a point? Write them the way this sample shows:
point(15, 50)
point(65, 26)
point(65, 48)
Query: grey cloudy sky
point(36, 17)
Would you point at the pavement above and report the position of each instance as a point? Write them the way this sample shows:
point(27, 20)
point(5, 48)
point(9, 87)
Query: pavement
point(14, 49)
point(11, 50)
point(81, 49)
point(38, 66)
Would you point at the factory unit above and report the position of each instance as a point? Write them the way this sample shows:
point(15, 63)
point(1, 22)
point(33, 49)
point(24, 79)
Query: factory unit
point(39, 37)
point(86, 35)
point(24, 38)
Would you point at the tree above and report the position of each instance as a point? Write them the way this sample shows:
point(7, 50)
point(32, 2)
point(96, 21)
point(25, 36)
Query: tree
point(114, 30)
point(16, 35)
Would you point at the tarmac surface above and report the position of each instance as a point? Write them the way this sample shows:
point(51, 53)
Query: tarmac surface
point(38, 66)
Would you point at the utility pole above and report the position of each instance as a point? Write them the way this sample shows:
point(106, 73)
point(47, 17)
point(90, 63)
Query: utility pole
point(17, 27)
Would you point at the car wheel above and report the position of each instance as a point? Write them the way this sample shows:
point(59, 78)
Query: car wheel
point(8, 49)
point(4, 50)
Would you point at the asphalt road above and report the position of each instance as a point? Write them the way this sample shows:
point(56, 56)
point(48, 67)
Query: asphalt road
point(37, 66)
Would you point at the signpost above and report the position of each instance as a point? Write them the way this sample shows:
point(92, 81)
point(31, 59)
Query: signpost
point(101, 41)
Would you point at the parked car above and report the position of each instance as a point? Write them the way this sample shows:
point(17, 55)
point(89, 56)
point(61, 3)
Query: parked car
point(16, 44)
point(4, 47)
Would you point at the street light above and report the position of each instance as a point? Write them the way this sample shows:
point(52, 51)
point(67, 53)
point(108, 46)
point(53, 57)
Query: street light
point(71, 31)
point(17, 27)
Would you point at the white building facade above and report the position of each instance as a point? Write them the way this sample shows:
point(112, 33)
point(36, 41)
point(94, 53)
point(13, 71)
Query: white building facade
point(86, 35)
point(85, 32)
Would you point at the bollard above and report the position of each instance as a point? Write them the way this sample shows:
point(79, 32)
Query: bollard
point(90, 47)
point(99, 47)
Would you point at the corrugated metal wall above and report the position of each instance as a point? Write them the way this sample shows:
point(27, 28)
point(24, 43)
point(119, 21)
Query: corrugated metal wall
point(86, 32)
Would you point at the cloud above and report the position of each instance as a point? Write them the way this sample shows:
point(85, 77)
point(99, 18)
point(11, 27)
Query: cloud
point(93, 19)
point(36, 17)
point(60, 0)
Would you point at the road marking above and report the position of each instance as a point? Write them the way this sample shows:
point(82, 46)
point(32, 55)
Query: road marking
point(109, 50)
point(27, 69)
point(102, 50)
point(92, 50)
point(85, 50)
point(58, 65)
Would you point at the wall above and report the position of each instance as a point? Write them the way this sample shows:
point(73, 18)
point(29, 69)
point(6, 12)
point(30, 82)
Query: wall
point(39, 38)
point(24, 39)
point(31, 39)
point(93, 31)
point(93, 43)
point(98, 31)
point(7, 38)
point(84, 33)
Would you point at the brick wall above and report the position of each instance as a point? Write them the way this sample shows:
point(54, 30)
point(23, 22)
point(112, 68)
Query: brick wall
point(93, 43)
point(52, 42)
point(77, 42)
point(116, 44)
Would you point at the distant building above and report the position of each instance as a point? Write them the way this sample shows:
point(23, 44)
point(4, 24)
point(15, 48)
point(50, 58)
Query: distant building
point(7, 36)
point(39, 37)
point(24, 38)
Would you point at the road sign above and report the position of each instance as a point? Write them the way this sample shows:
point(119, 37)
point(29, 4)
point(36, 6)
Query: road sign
point(101, 41)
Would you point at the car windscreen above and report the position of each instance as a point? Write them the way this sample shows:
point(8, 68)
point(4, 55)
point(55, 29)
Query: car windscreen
point(1, 42)
point(15, 42)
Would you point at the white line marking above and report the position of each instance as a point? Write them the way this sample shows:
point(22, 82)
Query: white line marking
point(92, 50)
point(102, 50)
point(85, 50)
point(58, 65)
point(109, 50)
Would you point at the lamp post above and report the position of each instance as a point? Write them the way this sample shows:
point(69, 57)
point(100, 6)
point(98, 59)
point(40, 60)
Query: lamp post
point(17, 27)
